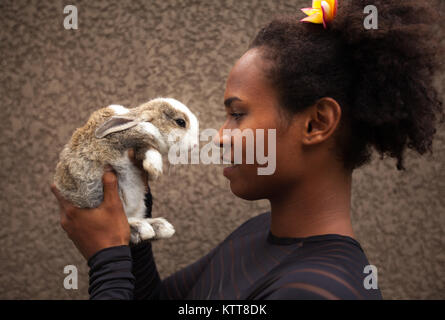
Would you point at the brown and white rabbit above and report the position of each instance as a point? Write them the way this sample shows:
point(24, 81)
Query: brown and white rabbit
point(150, 129)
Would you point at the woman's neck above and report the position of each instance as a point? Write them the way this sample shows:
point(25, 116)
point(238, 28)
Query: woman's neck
point(319, 205)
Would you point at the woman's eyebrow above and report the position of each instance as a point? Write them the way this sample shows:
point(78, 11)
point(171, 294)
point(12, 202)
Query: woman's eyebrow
point(229, 101)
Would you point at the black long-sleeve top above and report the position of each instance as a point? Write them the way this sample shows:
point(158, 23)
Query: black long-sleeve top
point(251, 263)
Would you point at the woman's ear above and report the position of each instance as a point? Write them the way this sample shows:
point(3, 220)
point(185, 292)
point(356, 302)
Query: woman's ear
point(321, 121)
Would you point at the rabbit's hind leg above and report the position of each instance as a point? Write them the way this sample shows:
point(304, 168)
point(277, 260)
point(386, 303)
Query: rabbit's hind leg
point(140, 230)
point(162, 228)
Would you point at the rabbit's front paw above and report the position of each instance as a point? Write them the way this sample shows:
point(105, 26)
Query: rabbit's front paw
point(162, 227)
point(153, 164)
point(140, 230)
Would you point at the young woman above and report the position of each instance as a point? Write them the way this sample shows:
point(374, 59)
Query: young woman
point(331, 94)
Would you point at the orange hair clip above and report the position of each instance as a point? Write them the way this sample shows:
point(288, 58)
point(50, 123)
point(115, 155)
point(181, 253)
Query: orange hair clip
point(321, 12)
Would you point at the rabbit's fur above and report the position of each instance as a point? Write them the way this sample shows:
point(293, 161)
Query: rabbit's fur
point(150, 129)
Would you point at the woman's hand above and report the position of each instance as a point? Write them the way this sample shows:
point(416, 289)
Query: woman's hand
point(95, 229)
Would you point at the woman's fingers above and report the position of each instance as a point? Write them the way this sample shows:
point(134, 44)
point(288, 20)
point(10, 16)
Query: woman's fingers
point(63, 204)
point(132, 157)
point(131, 154)
point(138, 163)
point(65, 207)
point(109, 180)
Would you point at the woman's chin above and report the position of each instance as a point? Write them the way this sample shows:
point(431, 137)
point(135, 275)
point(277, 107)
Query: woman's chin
point(243, 191)
point(244, 182)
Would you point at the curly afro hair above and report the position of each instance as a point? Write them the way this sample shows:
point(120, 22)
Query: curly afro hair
point(382, 78)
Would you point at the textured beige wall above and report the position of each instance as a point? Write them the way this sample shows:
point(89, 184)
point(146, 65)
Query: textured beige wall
point(126, 52)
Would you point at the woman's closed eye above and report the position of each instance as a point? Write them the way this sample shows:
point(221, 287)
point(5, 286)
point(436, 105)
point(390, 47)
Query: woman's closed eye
point(237, 115)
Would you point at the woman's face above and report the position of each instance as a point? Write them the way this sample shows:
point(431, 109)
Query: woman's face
point(252, 103)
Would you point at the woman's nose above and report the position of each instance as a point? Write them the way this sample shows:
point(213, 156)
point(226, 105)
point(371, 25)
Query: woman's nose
point(217, 139)
point(220, 139)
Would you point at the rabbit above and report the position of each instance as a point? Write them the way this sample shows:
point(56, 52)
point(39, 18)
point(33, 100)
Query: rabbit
point(150, 129)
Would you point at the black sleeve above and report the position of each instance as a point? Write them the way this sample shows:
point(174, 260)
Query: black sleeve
point(148, 284)
point(147, 279)
point(125, 272)
point(110, 274)
point(114, 276)
point(176, 286)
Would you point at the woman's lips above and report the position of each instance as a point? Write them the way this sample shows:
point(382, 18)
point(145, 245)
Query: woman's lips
point(230, 166)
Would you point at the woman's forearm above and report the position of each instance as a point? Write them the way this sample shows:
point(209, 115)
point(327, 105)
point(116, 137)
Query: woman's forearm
point(111, 276)
point(148, 283)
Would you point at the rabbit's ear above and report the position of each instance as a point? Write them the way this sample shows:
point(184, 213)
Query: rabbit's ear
point(115, 124)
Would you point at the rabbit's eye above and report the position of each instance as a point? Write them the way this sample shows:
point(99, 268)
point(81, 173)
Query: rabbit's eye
point(180, 122)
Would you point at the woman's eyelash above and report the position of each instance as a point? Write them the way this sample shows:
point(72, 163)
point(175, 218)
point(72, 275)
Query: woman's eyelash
point(236, 115)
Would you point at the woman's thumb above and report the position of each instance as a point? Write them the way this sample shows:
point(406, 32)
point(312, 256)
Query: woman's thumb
point(109, 181)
